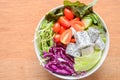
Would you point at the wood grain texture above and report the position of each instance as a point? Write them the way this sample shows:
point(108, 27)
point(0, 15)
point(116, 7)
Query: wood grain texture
point(18, 20)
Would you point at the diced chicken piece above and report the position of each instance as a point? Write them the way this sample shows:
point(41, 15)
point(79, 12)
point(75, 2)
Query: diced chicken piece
point(82, 39)
point(71, 50)
point(93, 33)
point(99, 44)
point(87, 50)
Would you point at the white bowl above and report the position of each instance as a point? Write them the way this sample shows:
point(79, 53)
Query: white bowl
point(105, 52)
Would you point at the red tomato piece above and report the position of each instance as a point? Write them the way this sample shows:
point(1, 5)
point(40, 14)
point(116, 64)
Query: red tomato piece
point(62, 29)
point(68, 14)
point(66, 36)
point(78, 27)
point(57, 38)
point(76, 19)
point(56, 27)
point(72, 22)
point(64, 22)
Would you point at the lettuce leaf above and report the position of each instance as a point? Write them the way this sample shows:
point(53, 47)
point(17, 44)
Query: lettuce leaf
point(78, 8)
point(87, 62)
point(54, 15)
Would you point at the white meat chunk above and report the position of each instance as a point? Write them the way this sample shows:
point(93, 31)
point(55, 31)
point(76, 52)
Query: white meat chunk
point(82, 39)
point(87, 50)
point(93, 33)
point(99, 44)
point(71, 50)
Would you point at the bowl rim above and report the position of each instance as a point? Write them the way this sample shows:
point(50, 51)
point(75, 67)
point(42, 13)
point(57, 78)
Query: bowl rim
point(94, 69)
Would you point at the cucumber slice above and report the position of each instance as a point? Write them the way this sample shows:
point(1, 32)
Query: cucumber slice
point(87, 21)
point(87, 62)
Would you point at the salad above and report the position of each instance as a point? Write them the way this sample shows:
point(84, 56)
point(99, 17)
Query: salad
point(71, 39)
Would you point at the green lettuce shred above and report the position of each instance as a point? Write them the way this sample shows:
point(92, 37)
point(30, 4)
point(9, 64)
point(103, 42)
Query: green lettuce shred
point(44, 36)
point(78, 8)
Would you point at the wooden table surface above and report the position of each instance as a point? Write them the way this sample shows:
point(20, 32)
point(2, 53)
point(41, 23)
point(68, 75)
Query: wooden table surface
point(18, 20)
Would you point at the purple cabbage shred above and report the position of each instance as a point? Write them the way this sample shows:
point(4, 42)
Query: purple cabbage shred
point(58, 61)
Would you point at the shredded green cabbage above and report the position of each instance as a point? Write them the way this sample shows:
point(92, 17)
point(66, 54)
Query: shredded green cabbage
point(44, 36)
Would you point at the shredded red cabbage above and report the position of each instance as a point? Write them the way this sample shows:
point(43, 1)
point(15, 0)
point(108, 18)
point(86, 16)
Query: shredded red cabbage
point(59, 62)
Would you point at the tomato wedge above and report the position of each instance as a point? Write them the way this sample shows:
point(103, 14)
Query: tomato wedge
point(56, 27)
point(57, 37)
point(77, 25)
point(68, 14)
point(62, 29)
point(66, 36)
point(76, 19)
point(64, 22)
